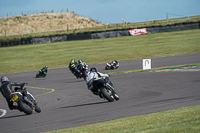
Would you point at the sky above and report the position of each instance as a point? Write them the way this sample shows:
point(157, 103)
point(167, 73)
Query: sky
point(111, 11)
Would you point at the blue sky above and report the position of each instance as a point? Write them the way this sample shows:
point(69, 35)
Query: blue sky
point(111, 11)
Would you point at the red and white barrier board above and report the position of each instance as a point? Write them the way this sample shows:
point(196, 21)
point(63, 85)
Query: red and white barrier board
point(134, 32)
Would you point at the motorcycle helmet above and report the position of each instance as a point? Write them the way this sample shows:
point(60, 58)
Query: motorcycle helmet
point(93, 69)
point(46, 66)
point(72, 60)
point(79, 61)
point(4, 79)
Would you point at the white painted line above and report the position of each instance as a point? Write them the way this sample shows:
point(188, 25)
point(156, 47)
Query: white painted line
point(4, 112)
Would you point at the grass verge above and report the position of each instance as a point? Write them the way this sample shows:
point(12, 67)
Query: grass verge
point(33, 57)
point(153, 69)
point(182, 120)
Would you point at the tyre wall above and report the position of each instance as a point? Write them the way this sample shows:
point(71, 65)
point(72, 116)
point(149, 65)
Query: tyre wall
point(100, 34)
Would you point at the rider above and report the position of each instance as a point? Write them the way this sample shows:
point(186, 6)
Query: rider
point(72, 65)
point(115, 63)
point(78, 68)
point(6, 90)
point(44, 71)
point(91, 76)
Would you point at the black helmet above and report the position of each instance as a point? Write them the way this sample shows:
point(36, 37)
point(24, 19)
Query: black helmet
point(80, 61)
point(4, 79)
point(93, 69)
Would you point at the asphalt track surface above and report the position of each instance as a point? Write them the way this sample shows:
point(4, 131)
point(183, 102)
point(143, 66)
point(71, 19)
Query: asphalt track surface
point(66, 102)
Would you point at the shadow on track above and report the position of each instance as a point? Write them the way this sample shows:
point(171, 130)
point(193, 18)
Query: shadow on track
point(13, 116)
point(85, 104)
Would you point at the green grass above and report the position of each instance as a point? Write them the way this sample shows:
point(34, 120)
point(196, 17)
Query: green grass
point(182, 120)
point(33, 57)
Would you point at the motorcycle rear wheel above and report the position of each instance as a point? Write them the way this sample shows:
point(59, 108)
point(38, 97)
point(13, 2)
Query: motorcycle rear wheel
point(24, 107)
point(106, 95)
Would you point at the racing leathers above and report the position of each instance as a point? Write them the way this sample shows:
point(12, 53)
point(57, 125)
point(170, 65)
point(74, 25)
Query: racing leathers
point(44, 71)
point(115, 63)
point(6, 90)
point(91, 77)
point(78, 68)
point(72, 66)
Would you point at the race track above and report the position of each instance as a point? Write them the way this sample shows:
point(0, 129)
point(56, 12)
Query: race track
point(66, 102)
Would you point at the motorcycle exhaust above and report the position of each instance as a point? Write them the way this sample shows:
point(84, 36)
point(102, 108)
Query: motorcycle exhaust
point(109, 86)
point(27, 100)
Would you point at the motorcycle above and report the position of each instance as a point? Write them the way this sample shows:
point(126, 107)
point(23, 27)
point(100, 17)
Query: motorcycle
point(105, 89)
point(111, 65)
point(82, 71)
point(26, 103)
point(41, 74)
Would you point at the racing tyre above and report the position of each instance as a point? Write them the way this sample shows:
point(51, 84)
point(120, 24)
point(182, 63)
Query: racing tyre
point(37, 109)
point(24, 107)
point(107, 94)
point(116, 97)
point(37, 75)
point(84, 75)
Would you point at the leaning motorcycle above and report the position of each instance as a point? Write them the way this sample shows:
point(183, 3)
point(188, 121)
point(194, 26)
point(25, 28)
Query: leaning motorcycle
point(111, 66)
point(105, 89)
point(83, 71)
point(26, 103)
point(41, 74)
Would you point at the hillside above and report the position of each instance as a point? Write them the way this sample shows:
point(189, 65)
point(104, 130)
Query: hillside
point(20, 25)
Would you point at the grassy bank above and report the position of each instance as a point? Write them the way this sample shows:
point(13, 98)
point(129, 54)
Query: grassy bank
point(66, 23)
point(33, 57)
point(182, 120)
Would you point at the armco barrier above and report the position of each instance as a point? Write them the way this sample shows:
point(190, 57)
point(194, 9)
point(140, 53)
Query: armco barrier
point(176, 27)
point(100, 34)
point(109, 34)
point(58, 38)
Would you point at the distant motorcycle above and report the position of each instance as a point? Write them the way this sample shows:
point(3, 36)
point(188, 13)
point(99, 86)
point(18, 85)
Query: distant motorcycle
point(83, 70)
point(112, 65)
point(41, 74)
point(26, 103)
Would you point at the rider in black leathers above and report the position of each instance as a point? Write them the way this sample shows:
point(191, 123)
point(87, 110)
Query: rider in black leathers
point(6, 90)
point(78, 68)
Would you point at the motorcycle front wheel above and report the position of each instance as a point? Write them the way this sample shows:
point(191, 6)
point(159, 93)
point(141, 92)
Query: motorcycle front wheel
point(37, 109)
point(106, 68)
point(37, 75)
point(24, 107)
point(107, 94)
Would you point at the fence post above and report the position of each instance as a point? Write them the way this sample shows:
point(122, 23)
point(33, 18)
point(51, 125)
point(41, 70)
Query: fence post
point(5, 33)
point(37, 12)
point(10, 14)
point(167, 18)
point(147, 21)
point(106, 25)
point(188, 17)
point(67, 28)
point(22, 13)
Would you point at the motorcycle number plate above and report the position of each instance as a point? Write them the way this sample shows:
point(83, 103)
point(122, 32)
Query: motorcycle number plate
point(15, 98)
